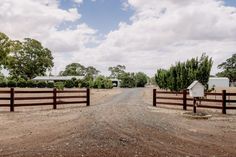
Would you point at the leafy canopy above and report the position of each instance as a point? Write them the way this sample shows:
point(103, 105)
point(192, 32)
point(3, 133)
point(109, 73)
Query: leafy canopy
point(77, 69)
point(229, 68)
point(73, 69)
point(117, 71)
point(29, 59)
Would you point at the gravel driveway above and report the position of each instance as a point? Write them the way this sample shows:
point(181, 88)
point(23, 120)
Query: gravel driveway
point(120, 125)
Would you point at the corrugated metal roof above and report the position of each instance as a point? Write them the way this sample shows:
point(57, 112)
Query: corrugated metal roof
point(56, 78)
point(218, 78)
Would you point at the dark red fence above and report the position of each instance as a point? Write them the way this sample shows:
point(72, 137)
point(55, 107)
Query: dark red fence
point(221, 101)
point(18, 98)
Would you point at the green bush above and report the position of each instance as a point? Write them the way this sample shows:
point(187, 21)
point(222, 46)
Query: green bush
point(102, 83)
point(75, 82)
point(50, 84)
point(108, 84)
point(11, 83)
point(84, 83)
point(22, 83)
point(140, 79)
point(59, 85)
point(41, 84)
point(69, 84)
point(3, 83)
point(98, 83)
point(91, 83)
point(78, 83)
point(127, 80)
point(31, 84)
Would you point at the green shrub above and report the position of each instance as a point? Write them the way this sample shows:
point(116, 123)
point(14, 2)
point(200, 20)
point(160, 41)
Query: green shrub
point(140, 79)
point(50, 84)
point(59, 85)
point(75, 82)
point(108, 84)
point(84, 83)
point(78, 83)
point(31, 84)
point(22, 83)
point(102, 82)
point(98, 83)
point(91, 83)
point(41, 84)
point(127, 80)
point(3, 83)
point(11, 83)
point(69, 84)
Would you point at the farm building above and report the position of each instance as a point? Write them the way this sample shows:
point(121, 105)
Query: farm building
point(56, 78)
point(218, 82)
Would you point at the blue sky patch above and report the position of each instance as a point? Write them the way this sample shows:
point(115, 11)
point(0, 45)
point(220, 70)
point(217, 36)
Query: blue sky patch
point(102, 15)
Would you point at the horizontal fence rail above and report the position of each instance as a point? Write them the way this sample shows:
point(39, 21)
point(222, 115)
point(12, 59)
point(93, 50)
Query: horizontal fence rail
point(10, 98)
point(182, 99)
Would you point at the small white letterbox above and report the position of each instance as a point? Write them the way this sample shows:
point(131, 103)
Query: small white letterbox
point(196, 89)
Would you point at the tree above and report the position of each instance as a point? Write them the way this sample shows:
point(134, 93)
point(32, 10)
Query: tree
point(204, 69)
point(5, 47)
point(74, 69)
point(127, 80)
point(161, 78)
point(91, 71)
point(140, 79)
point(117, 71)
point(29, 59)
point(229, 68)
point(181, 75)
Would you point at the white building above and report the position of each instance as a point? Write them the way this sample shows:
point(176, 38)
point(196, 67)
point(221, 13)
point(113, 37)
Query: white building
point(218, 82)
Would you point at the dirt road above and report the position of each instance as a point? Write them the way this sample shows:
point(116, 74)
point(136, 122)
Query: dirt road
point(123, 124)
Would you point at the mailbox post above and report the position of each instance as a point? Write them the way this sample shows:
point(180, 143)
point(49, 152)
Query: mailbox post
point(196, 91)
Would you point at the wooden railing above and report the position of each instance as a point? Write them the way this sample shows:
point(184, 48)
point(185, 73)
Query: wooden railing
point(52, 97)
point(219, 101)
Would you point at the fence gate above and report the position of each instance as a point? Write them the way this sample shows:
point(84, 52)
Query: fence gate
point(222, 101)
point(13, 98)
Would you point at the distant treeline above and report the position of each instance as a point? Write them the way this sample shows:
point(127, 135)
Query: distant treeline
point(100, 82)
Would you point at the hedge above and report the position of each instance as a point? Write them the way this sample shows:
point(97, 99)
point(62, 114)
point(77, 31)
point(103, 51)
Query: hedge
point(41, 84)
point(11, 83)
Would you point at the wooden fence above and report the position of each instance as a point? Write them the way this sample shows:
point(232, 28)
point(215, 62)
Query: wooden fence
point(52, 97)
point(221, 101)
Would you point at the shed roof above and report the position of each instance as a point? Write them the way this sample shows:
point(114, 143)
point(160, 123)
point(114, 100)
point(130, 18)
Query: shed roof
point(56, 78)
point(218, 78)
point(194, 84)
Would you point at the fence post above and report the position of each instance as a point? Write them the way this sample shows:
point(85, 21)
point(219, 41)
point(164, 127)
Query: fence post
point(12, 100)
point(88, 97)
point(54, 98)
point(154, 97)
point(224, 101)
point(185, 99)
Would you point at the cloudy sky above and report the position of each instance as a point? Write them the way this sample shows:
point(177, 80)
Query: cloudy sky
point(143, 35)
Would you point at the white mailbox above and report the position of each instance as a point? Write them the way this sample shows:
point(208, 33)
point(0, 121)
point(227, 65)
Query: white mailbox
point(196, 89)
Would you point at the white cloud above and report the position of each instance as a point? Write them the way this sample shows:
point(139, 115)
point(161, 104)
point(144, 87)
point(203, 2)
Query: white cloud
point(42, 20)
point(78, 1)
point(161, 32)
